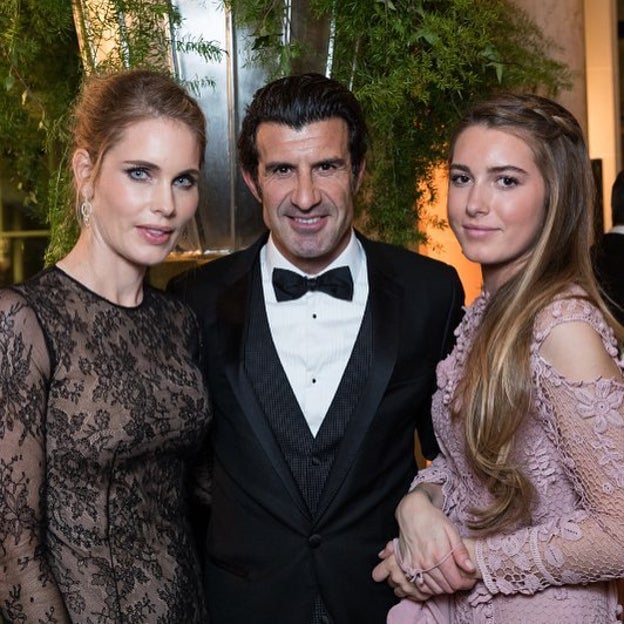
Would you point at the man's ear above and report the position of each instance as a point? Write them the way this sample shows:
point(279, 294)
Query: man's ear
point(252, 184)
point(83, 169)
point(357, 181)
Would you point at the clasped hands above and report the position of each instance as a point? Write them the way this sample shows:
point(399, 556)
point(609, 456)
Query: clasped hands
point(430, 557)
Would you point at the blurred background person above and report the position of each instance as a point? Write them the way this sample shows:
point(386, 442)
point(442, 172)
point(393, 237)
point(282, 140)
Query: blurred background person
point(609, 253)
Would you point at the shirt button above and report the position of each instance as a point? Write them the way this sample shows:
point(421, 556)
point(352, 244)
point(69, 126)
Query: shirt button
point(315, 460)
point(315, 540)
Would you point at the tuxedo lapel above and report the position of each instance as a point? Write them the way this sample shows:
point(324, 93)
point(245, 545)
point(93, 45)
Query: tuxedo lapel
point(384, 299)
point(232, 314)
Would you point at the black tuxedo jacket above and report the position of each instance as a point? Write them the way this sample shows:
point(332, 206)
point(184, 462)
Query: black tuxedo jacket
point(609, 266)
point(267, 555)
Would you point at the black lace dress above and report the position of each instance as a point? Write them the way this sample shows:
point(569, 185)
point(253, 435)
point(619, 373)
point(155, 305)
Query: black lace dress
point(101, 409)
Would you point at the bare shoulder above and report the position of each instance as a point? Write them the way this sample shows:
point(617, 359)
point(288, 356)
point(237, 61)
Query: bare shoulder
point(577, 351)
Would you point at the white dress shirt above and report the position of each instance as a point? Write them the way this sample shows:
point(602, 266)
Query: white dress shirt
point(314, 335)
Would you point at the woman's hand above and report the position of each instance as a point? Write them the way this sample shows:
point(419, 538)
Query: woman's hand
point(431, 549)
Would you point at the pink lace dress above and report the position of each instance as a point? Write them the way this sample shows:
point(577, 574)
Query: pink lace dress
point(561, 567)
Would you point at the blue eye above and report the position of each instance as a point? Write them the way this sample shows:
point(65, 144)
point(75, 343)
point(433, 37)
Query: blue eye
point(137, 173)
point(186, 181)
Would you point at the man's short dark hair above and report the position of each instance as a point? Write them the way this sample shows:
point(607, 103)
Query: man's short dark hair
point(617, 200)
point(297, 101)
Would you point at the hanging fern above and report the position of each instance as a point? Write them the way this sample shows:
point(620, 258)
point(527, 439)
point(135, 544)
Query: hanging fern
point(39, 75)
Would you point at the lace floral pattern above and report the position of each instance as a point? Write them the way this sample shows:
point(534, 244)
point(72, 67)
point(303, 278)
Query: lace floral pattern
point(573, 445)
point(101, 408)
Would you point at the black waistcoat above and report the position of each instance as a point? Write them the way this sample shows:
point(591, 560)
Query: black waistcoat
point(310, 458)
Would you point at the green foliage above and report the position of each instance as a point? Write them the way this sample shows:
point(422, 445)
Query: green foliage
point(414, 65)
point(39, 74)
point(135, 33)
point(268, 21)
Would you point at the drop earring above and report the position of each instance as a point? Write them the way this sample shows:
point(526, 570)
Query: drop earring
point(86, 209)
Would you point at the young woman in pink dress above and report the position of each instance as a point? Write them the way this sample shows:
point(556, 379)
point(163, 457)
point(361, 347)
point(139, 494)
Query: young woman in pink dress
point(520, 519)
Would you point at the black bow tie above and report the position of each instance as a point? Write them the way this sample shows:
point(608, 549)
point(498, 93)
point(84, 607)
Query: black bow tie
point(289, 285)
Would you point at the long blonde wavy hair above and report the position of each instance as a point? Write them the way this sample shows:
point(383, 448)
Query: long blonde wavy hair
point(495, 393)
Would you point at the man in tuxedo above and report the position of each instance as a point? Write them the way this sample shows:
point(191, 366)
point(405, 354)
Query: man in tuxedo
point(609, 253)
point(319, 349)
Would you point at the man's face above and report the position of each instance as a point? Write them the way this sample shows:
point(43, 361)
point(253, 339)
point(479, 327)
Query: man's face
point(305, 184)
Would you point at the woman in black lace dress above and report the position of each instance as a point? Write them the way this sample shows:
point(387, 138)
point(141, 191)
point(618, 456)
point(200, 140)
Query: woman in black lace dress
point(102, 404)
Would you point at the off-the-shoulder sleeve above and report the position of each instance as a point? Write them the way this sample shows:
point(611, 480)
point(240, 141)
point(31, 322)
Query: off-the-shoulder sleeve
point(585, 420)
point(28, 591)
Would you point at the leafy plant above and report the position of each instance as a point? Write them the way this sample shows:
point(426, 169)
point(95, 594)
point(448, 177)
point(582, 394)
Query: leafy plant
point(39, 75)
point(414, 65)
point(135, 33)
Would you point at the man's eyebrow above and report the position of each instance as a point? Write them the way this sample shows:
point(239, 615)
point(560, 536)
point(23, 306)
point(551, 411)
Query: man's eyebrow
point(276, 164)
point(337, 160)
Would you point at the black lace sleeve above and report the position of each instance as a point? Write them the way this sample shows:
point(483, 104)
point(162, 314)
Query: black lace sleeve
point(28, 591)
